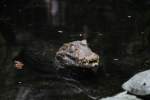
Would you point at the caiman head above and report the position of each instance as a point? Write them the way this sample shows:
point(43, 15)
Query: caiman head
point(76, 54)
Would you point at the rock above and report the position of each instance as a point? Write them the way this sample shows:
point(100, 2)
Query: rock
point(122, 96)
point(139, 84)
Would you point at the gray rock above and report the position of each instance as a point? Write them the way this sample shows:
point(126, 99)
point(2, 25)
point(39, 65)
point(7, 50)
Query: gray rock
point(122, 96)
point(139, 84)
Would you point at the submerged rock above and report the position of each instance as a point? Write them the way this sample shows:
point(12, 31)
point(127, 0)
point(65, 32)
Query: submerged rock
point(122, 96)
point(139, 84)
point(22, 93)
point(51, 90)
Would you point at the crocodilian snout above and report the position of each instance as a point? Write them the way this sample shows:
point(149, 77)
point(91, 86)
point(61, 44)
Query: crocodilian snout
point(90, 62)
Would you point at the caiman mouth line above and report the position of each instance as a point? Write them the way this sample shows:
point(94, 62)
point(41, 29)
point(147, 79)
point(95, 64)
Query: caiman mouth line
point(91, 62)
point(85, 62)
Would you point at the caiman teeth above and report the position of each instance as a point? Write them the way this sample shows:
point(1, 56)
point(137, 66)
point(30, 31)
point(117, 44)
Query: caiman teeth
point(88, 63)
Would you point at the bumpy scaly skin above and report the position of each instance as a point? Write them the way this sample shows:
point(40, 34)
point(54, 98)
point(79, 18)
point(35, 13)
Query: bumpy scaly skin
point(78, 54)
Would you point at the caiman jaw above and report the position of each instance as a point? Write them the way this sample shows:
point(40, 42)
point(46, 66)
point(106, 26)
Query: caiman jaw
point(89, 62)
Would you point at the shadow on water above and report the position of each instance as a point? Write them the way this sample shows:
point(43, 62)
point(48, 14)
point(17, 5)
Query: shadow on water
point(34, 84)
point(67, 89)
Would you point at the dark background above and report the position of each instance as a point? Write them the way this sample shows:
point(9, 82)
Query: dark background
point(118, 19)
point(118, 30)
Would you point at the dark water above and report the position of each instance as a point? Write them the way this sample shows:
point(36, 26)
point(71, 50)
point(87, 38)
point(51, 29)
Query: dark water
point(32, 85)
point(117, 30)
